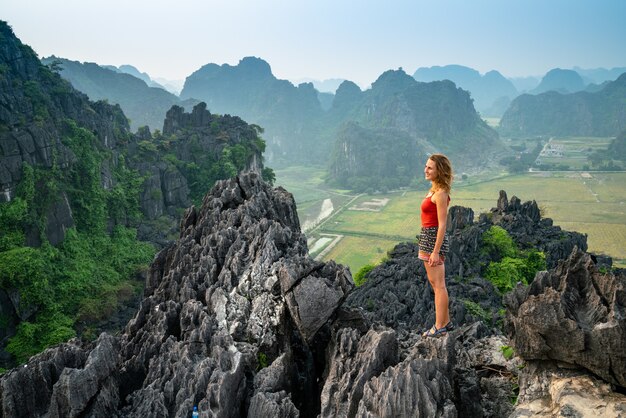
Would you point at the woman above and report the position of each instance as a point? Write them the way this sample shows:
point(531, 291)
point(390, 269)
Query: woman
point(433, 242)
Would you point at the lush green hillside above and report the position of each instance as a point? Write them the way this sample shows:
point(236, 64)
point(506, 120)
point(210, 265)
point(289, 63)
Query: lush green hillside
point(78, 188)
point(143, 105)
point(374, 159)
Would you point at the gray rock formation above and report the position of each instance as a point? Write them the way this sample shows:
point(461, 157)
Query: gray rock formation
point(397, 293)
point(235, 294)
point(374, 373)
point(573, 314)
point(239, 320)
point(164, 190)
point(355, 360)
point(524, 223)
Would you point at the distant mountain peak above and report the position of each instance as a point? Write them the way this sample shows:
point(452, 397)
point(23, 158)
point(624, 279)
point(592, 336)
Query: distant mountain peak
point(394, 80)
point(491, 92)
point(256, 66)
point(560, 80)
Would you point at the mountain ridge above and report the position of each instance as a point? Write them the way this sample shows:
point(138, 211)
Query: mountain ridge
point(145, 105)
point(576, 114)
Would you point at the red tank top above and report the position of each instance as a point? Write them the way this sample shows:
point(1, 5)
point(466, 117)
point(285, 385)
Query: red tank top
point(429, 212)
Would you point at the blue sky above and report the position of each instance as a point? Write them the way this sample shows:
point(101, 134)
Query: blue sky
point(321, 39)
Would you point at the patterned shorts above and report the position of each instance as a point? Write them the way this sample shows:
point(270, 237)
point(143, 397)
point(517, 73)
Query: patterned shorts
point(428, 237)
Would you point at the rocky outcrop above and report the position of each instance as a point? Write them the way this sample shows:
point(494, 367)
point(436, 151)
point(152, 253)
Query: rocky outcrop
point(375, 373)
point(235, 294)
point(573, 314)
point(398, 294)
point(35, 106)
point(239, 320)
point(164, 190)
point(28, 390)
point(59, 218)
point(355, 360)
point(524, 223)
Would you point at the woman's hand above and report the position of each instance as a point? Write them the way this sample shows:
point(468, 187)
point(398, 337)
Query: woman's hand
point(434, 259)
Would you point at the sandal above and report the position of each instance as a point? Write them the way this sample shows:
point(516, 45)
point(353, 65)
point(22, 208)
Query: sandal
point(449, 326)
point(435, 332)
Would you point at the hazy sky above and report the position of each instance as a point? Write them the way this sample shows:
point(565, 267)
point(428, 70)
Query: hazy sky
point(320, 39)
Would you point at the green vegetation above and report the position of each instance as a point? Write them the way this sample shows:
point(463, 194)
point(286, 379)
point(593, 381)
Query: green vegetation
point(84, 279)
point(507, 351)
point(566, 154)
point(514, 266)
point(262, 359)
point(524, 158)
point(379, 167)
point(497, 243)
point(359, 277)
point(477, 311)
point(356, 251)
point(200, 164)
point(611, 158)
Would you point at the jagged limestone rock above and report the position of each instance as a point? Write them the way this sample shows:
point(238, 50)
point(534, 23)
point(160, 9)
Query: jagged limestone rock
point(26, 391)
point(81, 390)
point(573, 314)
point(214, 313)
point(354, 359)
point(415, 388)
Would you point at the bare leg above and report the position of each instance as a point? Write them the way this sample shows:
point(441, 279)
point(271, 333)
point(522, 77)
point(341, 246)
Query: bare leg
point(437, 278)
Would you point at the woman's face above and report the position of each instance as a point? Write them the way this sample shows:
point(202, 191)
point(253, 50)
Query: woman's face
point(430, 170)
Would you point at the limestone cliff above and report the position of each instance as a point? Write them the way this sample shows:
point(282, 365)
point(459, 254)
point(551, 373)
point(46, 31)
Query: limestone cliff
point(41, 114)
point(144, 104)
point(391, 128)
point(235, 294)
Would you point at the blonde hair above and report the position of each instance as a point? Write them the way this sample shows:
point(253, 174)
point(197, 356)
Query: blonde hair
point(444, 173)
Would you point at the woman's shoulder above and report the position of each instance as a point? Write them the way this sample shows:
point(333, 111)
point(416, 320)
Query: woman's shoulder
point(441, 196)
